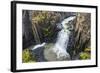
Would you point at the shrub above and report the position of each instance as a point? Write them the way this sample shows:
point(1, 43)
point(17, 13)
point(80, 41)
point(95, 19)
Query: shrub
point(27, 56)
point(84, 56)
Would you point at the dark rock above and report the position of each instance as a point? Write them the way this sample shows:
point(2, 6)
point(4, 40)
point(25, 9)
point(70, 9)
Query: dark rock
point(39, 54)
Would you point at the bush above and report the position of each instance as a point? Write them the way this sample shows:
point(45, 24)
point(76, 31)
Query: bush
point(27, 56)
point(84, 56)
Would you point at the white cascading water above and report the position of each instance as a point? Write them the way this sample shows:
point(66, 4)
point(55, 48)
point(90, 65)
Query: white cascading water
point(60, 46)
point(38, 46)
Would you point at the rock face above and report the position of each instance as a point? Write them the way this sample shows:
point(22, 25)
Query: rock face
point(26, 30)
point(81, 36)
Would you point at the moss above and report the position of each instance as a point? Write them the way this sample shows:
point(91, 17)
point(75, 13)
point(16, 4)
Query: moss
point(84, 56)
point(27, 56)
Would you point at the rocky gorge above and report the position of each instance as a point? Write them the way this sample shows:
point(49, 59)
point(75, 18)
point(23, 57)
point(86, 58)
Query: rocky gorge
point(44, 26)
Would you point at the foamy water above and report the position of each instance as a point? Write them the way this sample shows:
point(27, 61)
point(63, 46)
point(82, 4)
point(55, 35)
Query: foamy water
point(60, 46)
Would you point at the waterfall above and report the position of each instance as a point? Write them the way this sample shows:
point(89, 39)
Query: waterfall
point(60, 46)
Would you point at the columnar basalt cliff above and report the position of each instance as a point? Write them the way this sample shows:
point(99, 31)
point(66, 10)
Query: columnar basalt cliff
point(81, 34)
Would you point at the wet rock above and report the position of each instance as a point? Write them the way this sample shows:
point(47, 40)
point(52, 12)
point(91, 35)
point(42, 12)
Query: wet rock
point(39, 54)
